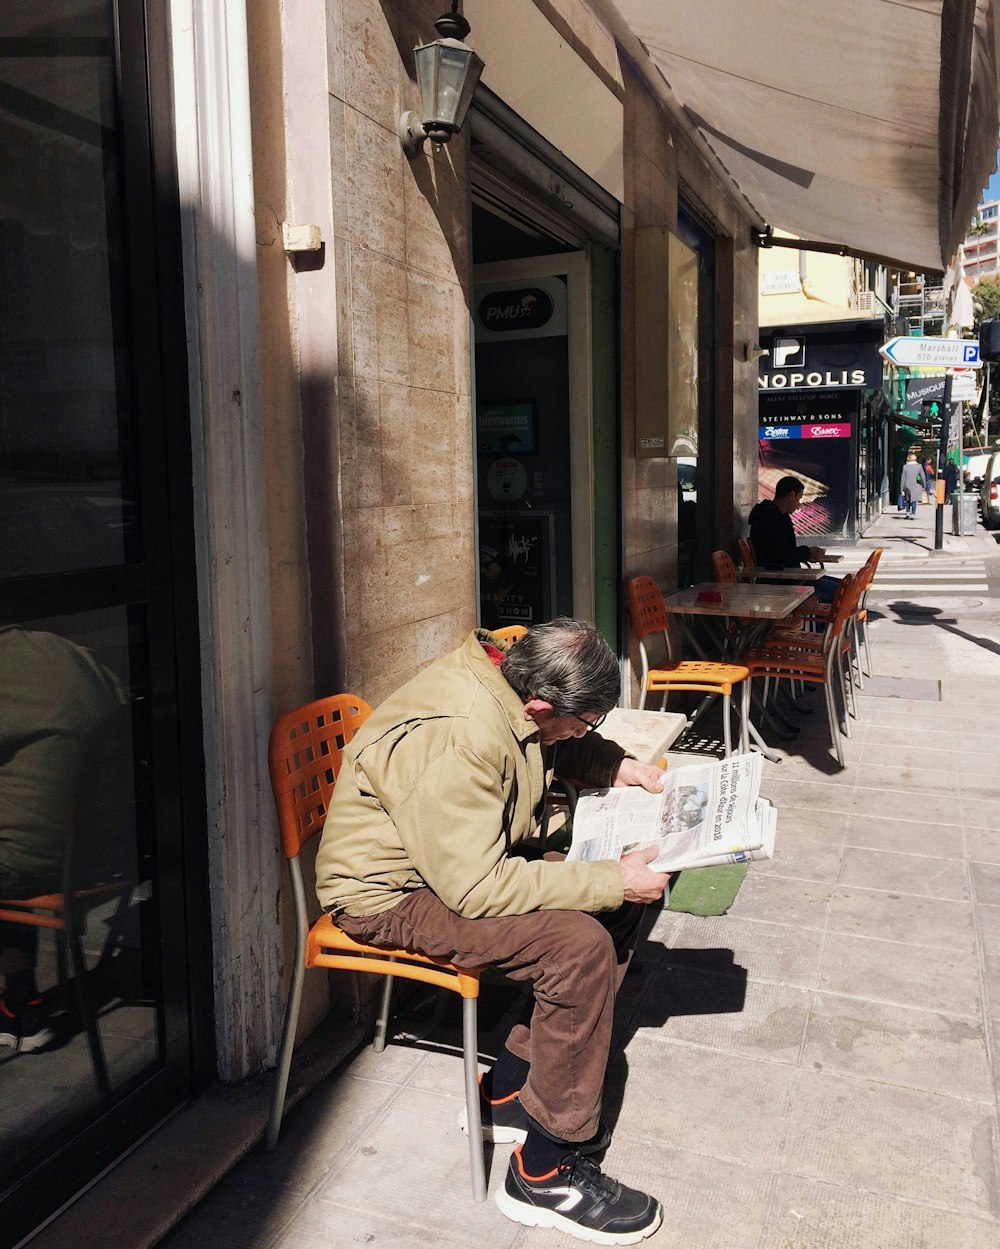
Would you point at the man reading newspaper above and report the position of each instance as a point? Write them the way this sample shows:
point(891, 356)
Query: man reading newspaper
point(420, 851)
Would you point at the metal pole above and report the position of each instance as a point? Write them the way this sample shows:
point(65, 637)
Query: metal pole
point(942, 459)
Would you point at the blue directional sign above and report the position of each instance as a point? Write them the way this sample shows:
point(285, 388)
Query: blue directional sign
point(942, 353)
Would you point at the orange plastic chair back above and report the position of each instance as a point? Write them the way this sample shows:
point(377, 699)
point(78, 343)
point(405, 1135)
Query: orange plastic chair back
point(304, 757)
point(747, 554)
point(723, 568)
point(510, 633)
point(645, 606)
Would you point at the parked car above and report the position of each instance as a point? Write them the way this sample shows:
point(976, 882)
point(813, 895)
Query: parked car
point(989, 492)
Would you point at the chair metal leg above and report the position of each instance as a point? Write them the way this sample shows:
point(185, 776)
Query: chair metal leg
point(727, 728)
point(470, 1046)
point(868, 654)
point(831, 715)
point(382, 1023)
point(291, 1011)
point(94, 1043)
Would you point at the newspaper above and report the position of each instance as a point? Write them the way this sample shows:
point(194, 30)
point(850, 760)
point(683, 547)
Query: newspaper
point(709, 813)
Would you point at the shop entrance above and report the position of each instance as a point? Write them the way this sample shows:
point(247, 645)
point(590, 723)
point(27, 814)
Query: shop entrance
point(533, 439)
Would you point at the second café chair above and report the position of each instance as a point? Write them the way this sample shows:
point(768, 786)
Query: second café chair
point(645, 605)
point(304, 758)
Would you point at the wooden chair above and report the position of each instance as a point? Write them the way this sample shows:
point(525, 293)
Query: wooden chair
point(813, 659)
point(645, 604)
point(304, 757)
point(748, 556)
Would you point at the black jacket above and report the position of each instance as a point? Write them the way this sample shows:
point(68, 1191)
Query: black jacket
point(773, 537)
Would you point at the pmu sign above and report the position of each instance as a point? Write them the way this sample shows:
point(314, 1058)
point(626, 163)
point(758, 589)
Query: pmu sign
point(943, 353)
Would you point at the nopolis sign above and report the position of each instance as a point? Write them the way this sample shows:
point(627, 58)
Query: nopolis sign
point(797, 363)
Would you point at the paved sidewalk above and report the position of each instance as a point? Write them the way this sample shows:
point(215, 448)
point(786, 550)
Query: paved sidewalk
point(818, 1069)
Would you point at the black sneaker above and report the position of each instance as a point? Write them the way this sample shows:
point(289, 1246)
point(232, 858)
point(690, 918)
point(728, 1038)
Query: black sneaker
point(504, 1122)
point(578, 1198)
point(25, 1029)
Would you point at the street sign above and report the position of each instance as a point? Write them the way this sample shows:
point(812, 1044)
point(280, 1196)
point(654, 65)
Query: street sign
point(945, 353)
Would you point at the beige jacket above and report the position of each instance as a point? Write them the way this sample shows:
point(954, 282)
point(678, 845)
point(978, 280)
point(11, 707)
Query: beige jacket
point(439, 785)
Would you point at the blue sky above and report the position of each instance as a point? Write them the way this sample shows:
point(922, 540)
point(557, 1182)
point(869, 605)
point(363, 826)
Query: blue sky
point(992, 191)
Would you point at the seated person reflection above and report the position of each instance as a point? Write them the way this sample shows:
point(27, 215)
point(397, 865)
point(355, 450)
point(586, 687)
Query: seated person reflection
point(774, 540)
point(437, 792)
point(54, 699)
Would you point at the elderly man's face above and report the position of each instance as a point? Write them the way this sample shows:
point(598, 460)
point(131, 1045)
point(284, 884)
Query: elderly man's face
point(556, 728)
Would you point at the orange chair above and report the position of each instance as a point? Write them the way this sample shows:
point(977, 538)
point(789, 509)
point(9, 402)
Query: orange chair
point(813, 659)
point(748, 555)
point(723, 568)
point(510, 633)
point(65, 914)
point(304, 757)
point(645, 604)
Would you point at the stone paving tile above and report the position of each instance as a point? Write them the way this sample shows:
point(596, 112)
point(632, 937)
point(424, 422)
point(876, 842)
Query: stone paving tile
point(809, 1215)
point(798, 902)
point(985, 882)
point(778, 953)
point(889, 971)
point(800, 855)
point(820, 825)
point(887, 736)
point(904, 873)
point(908, 780)
point(388, 1171)
point(879, 1139)
point(327, 1225)
point(922, 757)
point(988, 922)
point(915, 1049)
point(932, 809)
point(770, 1020)
point(983, 845)
point(817, 796)
point(699, 1100)
point(705, 1204)
point(981, 813)
point(944, 841)
point(944, 924)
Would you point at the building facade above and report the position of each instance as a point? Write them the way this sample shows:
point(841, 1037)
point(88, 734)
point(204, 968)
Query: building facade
point(239, 473)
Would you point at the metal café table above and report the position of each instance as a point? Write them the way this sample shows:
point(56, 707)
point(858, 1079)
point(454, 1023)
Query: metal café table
point(751, 607)
point(800, 576)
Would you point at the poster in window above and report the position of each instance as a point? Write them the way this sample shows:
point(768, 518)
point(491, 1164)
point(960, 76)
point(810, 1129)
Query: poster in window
point(516, 568)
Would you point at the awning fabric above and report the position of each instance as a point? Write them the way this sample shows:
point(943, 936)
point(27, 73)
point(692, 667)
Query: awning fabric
point(868, 123)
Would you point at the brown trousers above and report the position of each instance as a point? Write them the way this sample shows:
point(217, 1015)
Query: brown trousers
point(574, 964)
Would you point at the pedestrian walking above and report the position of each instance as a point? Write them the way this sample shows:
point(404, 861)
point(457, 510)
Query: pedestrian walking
point(911, 485)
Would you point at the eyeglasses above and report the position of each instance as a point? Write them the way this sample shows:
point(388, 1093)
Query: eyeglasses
point(591, 724)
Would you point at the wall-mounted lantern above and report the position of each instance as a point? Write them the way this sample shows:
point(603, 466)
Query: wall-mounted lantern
point(448, 72)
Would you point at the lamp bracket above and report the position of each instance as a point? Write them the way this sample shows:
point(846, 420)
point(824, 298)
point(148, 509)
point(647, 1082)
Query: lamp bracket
point(412, 134)
point(452, 25)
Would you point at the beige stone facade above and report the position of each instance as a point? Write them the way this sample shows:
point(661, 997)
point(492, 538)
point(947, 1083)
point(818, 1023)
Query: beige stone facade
point(373, 552)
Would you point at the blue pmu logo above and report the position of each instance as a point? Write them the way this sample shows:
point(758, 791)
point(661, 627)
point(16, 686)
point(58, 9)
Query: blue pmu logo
point(525, 309)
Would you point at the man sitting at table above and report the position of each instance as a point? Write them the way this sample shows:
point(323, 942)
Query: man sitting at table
point(774, 541)
point(437, 791)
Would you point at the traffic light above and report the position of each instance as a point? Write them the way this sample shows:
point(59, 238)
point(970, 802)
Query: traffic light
point(930, 410)
point(989, 339)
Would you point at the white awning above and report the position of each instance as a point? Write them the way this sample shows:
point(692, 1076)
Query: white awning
point(867, 123)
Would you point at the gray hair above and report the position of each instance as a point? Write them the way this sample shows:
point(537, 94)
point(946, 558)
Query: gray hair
point(566, 663)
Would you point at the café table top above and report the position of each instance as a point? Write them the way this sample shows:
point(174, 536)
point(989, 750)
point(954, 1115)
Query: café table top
point(646, 734)
point(800, 576)
point(746, 600)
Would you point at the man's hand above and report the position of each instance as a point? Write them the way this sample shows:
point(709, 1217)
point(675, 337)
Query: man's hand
point(632, 772)
point(817, 554)
point(642, 885)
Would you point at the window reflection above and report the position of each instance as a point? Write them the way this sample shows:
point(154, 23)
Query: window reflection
point(78, 1007)
point(64, 400)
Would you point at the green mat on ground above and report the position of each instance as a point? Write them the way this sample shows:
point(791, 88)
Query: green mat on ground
point(707, 890)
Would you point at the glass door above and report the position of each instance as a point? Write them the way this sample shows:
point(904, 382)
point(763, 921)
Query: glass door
point(94, 1004)
point(533, 404)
